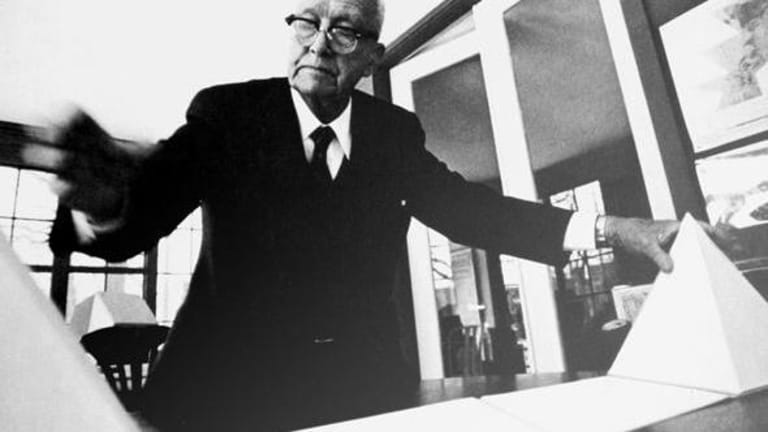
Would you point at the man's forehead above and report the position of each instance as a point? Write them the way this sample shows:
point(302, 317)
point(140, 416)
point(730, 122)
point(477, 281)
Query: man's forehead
point(357, 9)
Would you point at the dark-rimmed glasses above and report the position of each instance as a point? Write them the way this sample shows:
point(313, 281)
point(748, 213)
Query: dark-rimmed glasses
point(342, 39)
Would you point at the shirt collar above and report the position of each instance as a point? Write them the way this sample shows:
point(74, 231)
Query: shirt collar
point(308, 122)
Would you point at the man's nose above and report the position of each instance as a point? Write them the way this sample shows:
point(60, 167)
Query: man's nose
point(321, 45)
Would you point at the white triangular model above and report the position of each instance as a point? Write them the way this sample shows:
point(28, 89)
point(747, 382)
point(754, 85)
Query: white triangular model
point(105, 309)
point(47, 382)
point(702, 326)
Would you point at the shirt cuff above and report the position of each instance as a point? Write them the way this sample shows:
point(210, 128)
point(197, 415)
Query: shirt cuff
point(86, 230)
point(580, 233)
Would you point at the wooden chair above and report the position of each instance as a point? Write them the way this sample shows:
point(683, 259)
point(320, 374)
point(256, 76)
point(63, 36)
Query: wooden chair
point(124, 354)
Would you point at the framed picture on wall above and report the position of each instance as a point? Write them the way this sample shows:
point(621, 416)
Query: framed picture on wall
point(718, 58)
point(735, 187)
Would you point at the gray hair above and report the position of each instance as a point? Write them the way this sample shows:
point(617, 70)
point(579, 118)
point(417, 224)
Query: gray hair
point(378, 17)
point(378, 22)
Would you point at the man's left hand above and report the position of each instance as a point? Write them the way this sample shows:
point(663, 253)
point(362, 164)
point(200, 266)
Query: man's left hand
point(652, 238)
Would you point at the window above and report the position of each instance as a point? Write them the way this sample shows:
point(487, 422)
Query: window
point(460, 306)
point(584, 296)
point(88, 275)
point(589, 274)
point(513, 282)
point(27, 209)
point(177, 255)
point(477, 337)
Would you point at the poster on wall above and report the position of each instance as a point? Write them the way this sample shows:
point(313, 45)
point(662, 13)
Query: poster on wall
point(735, 188)
point(739, 201)
point(718, 56)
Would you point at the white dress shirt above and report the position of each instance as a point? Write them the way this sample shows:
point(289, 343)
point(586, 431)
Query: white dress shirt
point(339, 148)
point(579, 235)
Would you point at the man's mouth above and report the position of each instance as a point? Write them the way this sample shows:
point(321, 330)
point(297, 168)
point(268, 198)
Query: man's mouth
point(318, 69)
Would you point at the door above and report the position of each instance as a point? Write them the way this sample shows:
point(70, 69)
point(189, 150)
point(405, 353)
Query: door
point(471, 307)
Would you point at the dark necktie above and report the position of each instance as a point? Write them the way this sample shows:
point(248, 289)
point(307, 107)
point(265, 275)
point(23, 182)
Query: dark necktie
point(322, 136)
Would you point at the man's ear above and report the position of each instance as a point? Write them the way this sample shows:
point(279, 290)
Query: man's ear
point(375, 56)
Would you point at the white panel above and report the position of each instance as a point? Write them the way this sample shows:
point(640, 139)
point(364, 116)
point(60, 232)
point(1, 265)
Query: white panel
point(48, 384)
point(425, 309)
point(646, 145)
point(462, 415)
point(424, 304)
point(603, 404)
point(537, 296)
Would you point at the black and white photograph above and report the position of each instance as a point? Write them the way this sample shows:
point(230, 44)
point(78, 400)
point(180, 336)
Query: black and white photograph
point(382, 215)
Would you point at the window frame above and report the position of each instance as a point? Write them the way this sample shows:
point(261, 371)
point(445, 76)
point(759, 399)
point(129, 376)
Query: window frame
point(13, 137)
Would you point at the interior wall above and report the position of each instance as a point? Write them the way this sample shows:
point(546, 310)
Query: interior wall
point(566, 80)
point(661, 11)
point(643, 18)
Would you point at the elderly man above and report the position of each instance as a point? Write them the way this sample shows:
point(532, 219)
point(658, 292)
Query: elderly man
point(307, 188)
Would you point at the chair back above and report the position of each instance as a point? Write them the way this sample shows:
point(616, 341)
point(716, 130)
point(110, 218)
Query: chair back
point(124, 354)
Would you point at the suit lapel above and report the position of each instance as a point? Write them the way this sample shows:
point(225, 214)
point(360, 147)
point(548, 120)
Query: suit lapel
point(282, 150)
point(282, 153)
point(367, 137)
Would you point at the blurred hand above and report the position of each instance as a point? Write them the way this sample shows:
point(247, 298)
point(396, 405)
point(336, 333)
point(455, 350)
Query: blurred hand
point(652, 238)
point(92, 169)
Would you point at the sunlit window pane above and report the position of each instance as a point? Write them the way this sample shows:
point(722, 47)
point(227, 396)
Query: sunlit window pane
point(5, 227)
point(43, 281)
point(8, 178)
point(135, 262)
point(30, 240)
point(510, 271)
point(126, 283)
point(589, 197)
point(440, 257)
point(175, 254)
point(35, 200)
point(81, 286)
point(171, 291)
point(197, 240)
point(193, 221)
point(79, 259)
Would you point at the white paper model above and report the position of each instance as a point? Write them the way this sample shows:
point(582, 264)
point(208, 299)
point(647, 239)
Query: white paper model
point(48, 384)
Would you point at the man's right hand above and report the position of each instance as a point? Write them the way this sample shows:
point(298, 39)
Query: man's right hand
point(92, 169)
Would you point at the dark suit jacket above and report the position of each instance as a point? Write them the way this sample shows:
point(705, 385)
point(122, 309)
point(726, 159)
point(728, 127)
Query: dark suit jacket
point(285, 260)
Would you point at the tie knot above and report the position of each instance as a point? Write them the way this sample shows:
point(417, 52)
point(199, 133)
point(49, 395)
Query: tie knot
point(322, 136)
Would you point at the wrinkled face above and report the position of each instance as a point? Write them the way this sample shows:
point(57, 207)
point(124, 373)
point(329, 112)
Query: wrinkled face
point(316, 71)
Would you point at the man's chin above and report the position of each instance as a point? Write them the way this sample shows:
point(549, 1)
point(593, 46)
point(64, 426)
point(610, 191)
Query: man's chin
point(313, 88)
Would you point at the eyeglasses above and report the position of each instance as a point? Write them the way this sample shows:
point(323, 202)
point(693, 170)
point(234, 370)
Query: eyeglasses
point(342, 39)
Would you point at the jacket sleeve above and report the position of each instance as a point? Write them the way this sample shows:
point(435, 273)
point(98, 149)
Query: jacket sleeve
point(473, 214)
point(169, 186)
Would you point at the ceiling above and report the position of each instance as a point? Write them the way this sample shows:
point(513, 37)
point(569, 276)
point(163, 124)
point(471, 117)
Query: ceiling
point(567, 87)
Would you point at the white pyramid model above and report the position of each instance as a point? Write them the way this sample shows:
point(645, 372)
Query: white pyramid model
point(46, 381)
point(106, 309)
point(702, 326)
